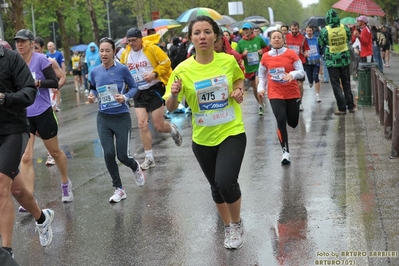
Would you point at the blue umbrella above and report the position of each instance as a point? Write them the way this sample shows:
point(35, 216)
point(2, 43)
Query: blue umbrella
point(79, 48)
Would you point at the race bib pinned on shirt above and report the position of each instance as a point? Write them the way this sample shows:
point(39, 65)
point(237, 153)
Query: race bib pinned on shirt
point(212, 96)
point(295, 48)
point(253, 58)
point(277, 74)
point(106, 95)
point(138, 77)
point(212, 93)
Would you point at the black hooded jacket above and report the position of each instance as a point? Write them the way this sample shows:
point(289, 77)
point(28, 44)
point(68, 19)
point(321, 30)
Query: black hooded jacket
point(18, 87)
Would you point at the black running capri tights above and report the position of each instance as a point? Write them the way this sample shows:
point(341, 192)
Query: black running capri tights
point(221, 165)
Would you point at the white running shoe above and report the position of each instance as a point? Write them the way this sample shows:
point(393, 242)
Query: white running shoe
point(318, 99)
point(236, 235)
point(67, 195)
point(50, 160)
point(119, 195)
point(286, 158)
point(262, 109)
point(227, 236)
point(176, 137)
point(139, 176)
point(44, 229)
point(148, 163)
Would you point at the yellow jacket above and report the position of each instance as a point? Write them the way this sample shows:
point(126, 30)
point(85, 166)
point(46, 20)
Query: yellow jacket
point(157, 57)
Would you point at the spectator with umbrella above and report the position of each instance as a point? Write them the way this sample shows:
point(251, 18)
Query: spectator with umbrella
point(365, 39)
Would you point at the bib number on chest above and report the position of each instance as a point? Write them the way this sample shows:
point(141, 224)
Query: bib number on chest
point(253, 58)
point(212, 93)
point(138, 77)
point(277, 74)
point(106, 95)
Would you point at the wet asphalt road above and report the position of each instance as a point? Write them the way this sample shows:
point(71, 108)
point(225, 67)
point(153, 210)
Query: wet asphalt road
point(335, 203)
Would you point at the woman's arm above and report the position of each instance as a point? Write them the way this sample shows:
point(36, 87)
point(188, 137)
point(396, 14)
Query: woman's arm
point(262, 76)
point(50, 80)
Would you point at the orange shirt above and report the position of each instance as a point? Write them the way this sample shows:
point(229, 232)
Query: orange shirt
point(277, 66)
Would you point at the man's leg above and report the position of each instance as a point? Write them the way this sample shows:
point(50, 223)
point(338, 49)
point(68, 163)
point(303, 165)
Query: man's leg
point(146, 137)
point(159, 122)
point(334, 74)
point(25, 197)
point(346, 86)
point(43, 218)
point(254, 86)
point(145, 133)
point(6, 210)
point(165, 127)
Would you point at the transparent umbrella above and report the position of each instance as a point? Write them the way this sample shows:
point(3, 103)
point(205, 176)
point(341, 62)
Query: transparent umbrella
point(373, 22)
point(226, 20)
point(257, 19)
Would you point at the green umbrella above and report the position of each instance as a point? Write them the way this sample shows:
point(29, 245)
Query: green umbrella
point(348, 21)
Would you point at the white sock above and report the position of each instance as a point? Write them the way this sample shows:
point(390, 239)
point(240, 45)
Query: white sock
point(317, 95)
point(149, 154)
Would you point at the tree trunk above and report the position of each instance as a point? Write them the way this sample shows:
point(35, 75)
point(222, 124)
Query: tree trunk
point(140, 16)
point(18, 17)
point(64, 38)
point(93, 19)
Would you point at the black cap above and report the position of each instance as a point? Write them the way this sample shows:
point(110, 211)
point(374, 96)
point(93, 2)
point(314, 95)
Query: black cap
point(24, 35)
point(134, 32)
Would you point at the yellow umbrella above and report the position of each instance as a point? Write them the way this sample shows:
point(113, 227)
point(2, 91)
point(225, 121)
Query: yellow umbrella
point(191, 14)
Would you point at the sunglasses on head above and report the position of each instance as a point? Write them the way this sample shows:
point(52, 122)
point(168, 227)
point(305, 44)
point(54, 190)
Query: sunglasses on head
point(107, 39)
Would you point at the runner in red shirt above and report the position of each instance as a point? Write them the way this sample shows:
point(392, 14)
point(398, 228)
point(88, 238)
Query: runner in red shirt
point(299, 44)
point(279, 71)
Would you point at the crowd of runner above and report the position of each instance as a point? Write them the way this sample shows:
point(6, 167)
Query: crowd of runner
point(205, 70)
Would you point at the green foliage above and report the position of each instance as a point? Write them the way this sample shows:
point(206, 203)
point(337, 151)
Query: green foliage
point(77, 20)
point(125, 14)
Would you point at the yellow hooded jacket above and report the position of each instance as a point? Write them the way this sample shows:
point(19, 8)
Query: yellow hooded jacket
point(157, 57)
